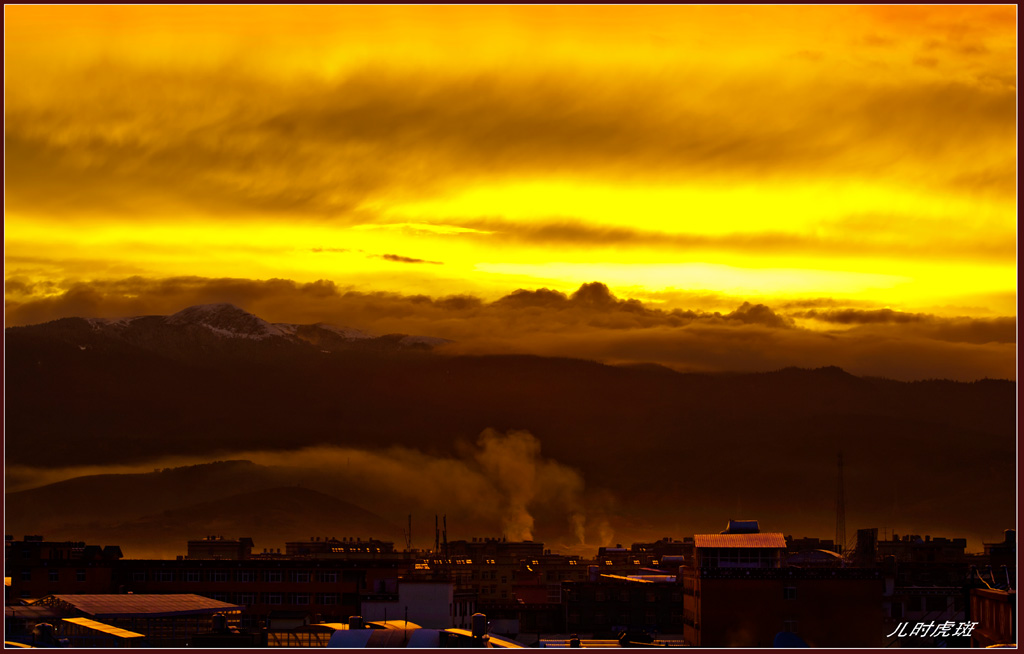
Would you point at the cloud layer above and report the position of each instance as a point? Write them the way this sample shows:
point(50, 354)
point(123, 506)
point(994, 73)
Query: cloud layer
point(590, 323)
point(159, 156)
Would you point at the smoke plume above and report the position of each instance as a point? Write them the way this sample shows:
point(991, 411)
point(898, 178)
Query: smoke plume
point(501, 481)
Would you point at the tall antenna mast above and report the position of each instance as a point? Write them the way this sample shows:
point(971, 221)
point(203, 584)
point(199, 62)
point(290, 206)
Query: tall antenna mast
point(840, 510)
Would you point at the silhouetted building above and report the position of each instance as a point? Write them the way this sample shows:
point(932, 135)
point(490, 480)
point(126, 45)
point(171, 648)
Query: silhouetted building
point(429, 603)
point(218, 547)
point(914, 549)
point(38, 567)
point(610, 606)
point(1003, 553)
point(349, 548)
point(329, 588)
point(738, 593)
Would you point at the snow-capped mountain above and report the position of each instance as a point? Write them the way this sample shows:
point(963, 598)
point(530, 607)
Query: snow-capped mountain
point(208, 329)
point(229, 321)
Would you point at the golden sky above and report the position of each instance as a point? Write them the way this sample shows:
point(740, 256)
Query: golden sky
point(860, 159)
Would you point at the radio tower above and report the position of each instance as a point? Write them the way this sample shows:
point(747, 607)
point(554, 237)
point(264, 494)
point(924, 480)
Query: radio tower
point(840, 510)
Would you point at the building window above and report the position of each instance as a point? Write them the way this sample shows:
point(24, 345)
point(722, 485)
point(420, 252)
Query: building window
point(193, 575)
point(26, 575)
point(165, 575)
point(54, 575)
point(273, 598)
point(247, 599)
point(220, 597)
point(246, 576)
point(219, 576)
point(274, 576)
point(789, 625)
point(789, 593)
point(138, 576)
point(301, 577)
point(302, 599)
point(328, 598)
point(504, 594)
point(79, 575)
point(329, 577)
point(504, 579)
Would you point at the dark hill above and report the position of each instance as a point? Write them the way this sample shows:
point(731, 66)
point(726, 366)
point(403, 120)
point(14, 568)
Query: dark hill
point(669, 446)
point(269, 515)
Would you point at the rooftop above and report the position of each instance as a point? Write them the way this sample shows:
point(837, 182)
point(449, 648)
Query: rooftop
point(112, 605)
point(769, 540)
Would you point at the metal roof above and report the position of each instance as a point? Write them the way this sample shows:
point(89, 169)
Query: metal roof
point(30, 612)
point(113, 605)
point(771, 540)
point(105, 628)
point(622, 578)
point(392, 624)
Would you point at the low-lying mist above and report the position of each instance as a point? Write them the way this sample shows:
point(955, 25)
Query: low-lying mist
point(498, 485)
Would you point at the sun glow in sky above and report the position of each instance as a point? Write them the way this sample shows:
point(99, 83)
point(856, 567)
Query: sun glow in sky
point(863, 156)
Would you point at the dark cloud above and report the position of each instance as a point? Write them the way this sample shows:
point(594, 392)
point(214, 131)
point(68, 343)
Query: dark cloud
point(858, 316)
point(400, 259)
point(896, 236)
point(982, 331)
point(540, 298)
point(137, 139)
point(590, 323)
point(962, 329)
point(758, 314)
point(812, 303)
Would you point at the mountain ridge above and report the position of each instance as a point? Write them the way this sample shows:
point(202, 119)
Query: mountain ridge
point(218, 328)
point(267, 511)
point(651, 438)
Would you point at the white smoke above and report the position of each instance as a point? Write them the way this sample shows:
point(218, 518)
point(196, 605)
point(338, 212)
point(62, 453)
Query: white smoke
point(500, 479)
